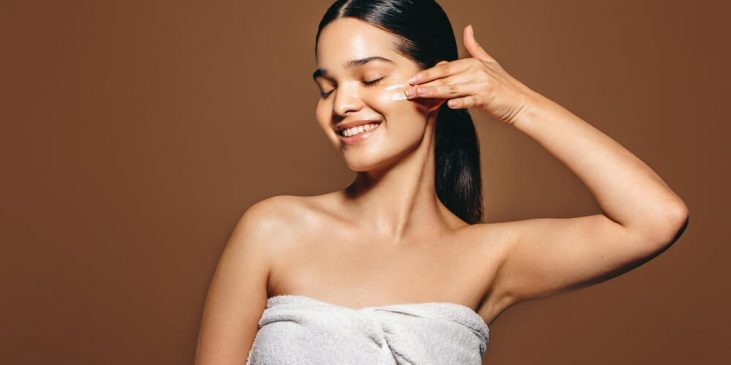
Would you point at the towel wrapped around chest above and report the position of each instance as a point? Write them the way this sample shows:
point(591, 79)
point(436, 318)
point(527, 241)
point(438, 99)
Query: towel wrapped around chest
point(298, 329)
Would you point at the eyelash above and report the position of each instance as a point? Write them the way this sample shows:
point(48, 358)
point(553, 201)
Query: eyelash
point(367, 83)
point(373, 82)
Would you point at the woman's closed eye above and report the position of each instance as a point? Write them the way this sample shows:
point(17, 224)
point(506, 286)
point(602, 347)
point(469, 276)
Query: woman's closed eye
point(324, 95)
point(372, 82)
point(366, 83)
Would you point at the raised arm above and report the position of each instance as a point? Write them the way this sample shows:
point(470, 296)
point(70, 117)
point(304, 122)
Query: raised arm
point(641, 216)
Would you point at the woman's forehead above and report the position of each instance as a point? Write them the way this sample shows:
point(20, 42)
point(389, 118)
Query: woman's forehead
point(347, 39)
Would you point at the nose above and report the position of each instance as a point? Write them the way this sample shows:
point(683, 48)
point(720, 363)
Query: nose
point(347, 99)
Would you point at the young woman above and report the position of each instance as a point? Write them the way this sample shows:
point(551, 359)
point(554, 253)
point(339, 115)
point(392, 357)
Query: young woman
point(398, 267)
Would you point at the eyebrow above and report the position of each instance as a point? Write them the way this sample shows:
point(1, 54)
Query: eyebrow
point(351, 64)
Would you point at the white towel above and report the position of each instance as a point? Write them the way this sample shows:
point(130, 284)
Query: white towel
point(297, 329)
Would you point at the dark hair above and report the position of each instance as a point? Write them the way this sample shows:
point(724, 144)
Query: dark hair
point(426, 37)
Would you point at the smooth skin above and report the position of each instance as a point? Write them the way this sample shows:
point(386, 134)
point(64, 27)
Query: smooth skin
point(387, 239)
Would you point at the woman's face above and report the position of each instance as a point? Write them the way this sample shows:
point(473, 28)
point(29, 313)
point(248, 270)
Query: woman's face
point(361, 78)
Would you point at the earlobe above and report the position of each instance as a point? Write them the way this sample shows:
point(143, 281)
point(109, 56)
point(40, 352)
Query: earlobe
point(429, 105)
point(438, 104)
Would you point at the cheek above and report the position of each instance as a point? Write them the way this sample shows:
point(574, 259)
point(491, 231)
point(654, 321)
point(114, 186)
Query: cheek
point(322, 115)
point(385, 99)
point(389, 101)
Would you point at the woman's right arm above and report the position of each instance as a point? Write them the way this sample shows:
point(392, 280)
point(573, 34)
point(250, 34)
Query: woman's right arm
point(238, 292)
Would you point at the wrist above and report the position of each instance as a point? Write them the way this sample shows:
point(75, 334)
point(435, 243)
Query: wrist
point(532, 102)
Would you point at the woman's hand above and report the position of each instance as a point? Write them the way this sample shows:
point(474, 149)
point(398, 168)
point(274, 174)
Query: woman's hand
point(477, 81)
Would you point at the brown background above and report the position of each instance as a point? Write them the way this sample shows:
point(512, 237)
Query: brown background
point(135, 133)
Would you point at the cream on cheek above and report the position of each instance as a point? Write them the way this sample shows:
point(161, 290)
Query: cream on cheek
point(396, 91)
point(403, 117)
point(388, 96)
point(392, 97)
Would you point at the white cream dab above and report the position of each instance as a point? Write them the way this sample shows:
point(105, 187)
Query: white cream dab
point(395, 86)
point(398, 95)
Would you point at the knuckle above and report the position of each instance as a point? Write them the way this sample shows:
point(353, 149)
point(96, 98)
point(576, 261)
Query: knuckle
point(441, 69)
point(452, 89)
point(479, 101)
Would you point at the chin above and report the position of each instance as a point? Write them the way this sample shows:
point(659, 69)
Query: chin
point(361, 161)
point(362, 164)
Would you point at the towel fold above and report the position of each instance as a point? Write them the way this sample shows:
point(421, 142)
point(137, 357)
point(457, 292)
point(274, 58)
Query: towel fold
point(296, 329)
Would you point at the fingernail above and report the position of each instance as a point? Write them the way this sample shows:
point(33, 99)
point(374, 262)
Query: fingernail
point(410, 92)
point(413, 80)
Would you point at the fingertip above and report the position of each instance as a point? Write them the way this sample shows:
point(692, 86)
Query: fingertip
point(469, 35)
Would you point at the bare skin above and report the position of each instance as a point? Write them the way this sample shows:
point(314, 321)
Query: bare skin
point(387, 239)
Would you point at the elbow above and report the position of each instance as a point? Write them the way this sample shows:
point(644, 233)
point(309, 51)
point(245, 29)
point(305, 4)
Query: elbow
point(673, 225)
point(682, 217)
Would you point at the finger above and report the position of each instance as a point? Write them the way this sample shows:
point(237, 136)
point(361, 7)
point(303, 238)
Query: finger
point(474, 48)
point(463, 102)
point(458, 78)
point(445, 91)
point(440, 70)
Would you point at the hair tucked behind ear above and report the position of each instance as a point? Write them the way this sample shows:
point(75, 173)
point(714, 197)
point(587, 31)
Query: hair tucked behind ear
point(426, 38)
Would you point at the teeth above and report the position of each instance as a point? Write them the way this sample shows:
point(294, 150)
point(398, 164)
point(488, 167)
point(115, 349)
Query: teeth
point(357, 130)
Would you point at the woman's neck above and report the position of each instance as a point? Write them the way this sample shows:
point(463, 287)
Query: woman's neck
point(400, 201)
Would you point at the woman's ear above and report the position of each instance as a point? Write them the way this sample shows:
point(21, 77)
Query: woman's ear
point(429, 105)
point(434, 104)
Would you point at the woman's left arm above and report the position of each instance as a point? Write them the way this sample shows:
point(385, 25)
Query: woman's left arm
point(627, 190)
point(641, 215)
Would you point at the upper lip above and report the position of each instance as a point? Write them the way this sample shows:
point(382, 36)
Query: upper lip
point(355, 123)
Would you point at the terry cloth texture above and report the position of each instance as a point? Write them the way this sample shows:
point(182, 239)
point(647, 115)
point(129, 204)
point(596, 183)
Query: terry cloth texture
point(297, 329)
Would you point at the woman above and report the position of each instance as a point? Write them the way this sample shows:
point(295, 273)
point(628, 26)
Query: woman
point(398, 267)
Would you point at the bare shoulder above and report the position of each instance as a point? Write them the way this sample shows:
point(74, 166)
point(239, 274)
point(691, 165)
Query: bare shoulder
point(275, 219)
point(493, 239)
point(238, 292)
point(272, 213)
point(260, 227)
point(273, 209)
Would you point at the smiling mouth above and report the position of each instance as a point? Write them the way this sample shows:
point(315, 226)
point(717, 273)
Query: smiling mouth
point(359, 130)
point(358, 134)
